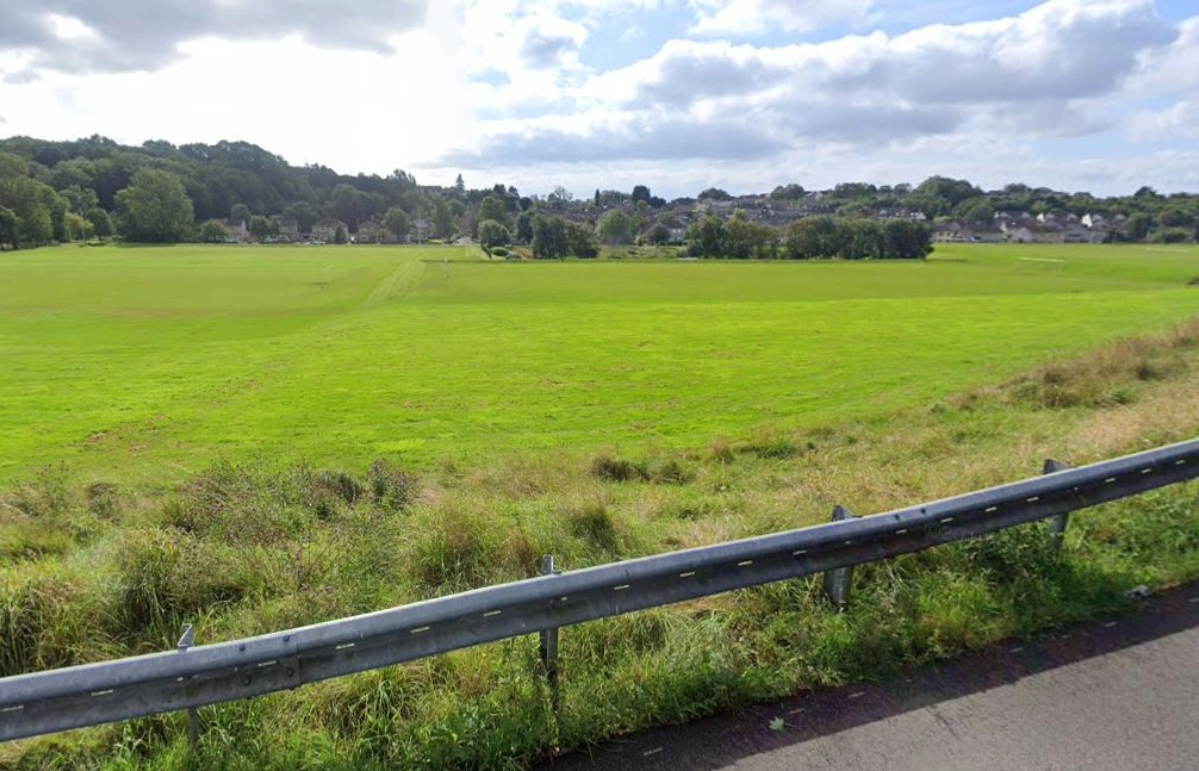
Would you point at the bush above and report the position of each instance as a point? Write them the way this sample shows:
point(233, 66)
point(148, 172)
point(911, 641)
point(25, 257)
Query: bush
point(615, 469)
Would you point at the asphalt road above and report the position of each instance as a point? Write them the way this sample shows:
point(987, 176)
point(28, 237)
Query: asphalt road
point(1120, 693)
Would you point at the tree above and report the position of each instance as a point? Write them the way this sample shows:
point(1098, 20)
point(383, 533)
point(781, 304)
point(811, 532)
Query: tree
point(1175, 217)
point(213, 232)
point(714, 194)
point(10, 228)
point(549, 238)
point(706, 238)
point(155, 208)
point(791, 192)
point(340, 236)
point(977, 211)
point(739, 236)
point(443, 219)
point(616, 228)
point(524, 227)
point(260, 227)
point(658, 235)
point(101, 223)
point(240, 213)
point(460, 184)
point(80, 200)
point(493, 234)
point(353, 206)
point(812, 238)
point(907, 240)
point(303, 213)
point(77, 227)
point(493, 208)
point(396, 222)
point(580, 241)
point(1137, 227)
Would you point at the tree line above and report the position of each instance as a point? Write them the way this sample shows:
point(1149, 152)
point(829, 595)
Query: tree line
point(93, 187)
point(810, 238)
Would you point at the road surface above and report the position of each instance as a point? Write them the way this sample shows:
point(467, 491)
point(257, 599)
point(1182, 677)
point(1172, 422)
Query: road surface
point(1120, 693)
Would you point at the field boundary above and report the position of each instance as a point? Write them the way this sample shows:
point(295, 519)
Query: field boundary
point(46, 702)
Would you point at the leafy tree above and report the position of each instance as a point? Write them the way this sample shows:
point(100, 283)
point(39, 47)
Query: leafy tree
point(155, 208)
point(949, 191)
point(616, 228)
point(240, 213)
point(101, 222)
point(1175, 217)
point(738, 237)
point(261, 227)
point(978, 211)
point(78, 227)
point(10, 228)
point(791, 192)
point(867, 240)
point(80, 200)
point(524, 227)
point(303, 213)
point(492, 234)
point(549, 238)
point(907, 240)
point(813, 238)
point(397, 222)
point(1137, 227)
point(580, 241)
point(641, 194)
point(353, 206)
point(340, 236)
point(495, 209)
point(443, 218)
point(657, 235)
point(714, 194)
point(213, 232)
point(706, 238)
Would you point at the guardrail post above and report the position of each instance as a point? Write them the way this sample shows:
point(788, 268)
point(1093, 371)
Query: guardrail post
point(1058, 524)
point(193, 716)
point(549, 642)
point(837, 582)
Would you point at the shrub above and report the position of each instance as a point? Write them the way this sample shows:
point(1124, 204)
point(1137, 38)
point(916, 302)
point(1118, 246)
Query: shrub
point(615, 469)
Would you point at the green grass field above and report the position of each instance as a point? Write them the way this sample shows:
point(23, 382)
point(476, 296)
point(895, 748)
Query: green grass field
point(188, 436)
point(145, 364)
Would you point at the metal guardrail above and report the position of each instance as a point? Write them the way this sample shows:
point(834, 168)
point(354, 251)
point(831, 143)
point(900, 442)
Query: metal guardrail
point(190, 677)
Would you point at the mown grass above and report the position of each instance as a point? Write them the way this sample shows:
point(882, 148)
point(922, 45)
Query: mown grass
point(244, 548)
point(143, 366)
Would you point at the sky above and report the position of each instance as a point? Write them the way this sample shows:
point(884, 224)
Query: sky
point(679, 95)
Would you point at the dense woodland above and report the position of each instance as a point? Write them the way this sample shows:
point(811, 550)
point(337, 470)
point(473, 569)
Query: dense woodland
point(94, 188)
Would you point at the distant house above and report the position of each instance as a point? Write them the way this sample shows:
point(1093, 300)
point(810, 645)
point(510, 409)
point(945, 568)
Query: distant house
point(1080, 234)
point(238, 232)
point(370, 232)
point(326, 230)
point(420, 231)
point(289, 231)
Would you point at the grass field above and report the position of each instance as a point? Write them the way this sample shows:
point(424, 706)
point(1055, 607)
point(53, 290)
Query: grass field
point(145, 364)
point(189, 437)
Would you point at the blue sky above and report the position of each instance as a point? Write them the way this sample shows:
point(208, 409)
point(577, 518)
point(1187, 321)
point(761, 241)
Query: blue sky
point(676, 94)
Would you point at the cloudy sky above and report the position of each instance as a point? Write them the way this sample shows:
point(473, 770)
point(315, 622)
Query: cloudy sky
point(1101, 95)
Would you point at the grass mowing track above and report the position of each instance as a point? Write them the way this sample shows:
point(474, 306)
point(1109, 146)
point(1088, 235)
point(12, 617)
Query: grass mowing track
point(930, 405)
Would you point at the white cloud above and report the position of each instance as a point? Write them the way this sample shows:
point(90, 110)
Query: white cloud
point(1180, 120)
point(742, 18)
